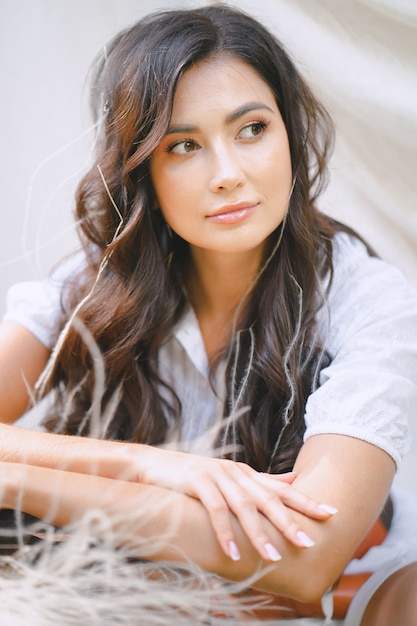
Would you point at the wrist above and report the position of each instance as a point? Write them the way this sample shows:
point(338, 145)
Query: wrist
point(12, 478)
point(118, 460)
point(137, 457)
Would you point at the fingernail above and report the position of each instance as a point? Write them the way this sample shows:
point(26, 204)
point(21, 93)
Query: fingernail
point(328, 508)
point(305, 539)
point(272, 552)
point(233, 551)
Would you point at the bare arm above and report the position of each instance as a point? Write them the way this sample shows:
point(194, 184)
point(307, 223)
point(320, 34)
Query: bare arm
point(22, 359)
point(332, 469)
point(353, 475)
point(221, 486)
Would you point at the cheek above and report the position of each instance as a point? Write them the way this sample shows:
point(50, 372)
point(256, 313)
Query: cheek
point(172, 201)
point(159, 173)
point(169, 185)
point(181, 193)
point(175, 202)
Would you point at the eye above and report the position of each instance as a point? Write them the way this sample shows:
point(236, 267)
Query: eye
point(186, 146)
point(253, 130)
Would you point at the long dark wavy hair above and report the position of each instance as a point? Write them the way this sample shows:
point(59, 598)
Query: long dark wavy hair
point(130, 294)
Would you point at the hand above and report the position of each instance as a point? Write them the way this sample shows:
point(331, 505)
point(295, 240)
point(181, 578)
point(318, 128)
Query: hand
point(225, 487)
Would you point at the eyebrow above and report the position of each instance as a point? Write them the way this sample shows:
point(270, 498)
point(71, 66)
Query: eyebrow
point(234, 115)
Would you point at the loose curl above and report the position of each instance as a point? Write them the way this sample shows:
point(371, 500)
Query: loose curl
point(131, 308)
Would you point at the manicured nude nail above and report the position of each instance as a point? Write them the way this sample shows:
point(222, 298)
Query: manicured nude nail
point(305, 539)
point(328, 508)
point(234, 551)
point(272, 552)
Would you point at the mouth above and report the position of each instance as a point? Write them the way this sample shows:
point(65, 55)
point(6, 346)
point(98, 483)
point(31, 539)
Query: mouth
point(233, 213)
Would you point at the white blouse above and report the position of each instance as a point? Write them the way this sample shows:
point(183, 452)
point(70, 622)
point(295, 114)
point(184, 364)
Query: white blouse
point(368, 327)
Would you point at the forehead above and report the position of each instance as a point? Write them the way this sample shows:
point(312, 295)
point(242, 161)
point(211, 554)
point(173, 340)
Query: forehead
point(221, 82)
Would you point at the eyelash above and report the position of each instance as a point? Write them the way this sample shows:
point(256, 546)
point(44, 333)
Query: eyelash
point(172, 146)
point(261, 124)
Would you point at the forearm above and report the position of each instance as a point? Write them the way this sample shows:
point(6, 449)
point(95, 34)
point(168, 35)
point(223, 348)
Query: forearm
point(141, 514)
point(79, 454)
point(176, 523)
point(211, 486)
point(184, 531)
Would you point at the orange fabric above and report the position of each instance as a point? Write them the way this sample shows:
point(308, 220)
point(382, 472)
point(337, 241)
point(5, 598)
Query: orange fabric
point(375, 537)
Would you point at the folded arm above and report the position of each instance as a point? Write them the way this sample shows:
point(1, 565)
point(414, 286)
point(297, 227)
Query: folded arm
point(221, 486)
point(353, 475)
point(63, 477)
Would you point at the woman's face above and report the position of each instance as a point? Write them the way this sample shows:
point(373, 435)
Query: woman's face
point(222, 173)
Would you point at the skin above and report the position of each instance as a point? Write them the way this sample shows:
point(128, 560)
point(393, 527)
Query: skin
point(22, 358)
point(226, 145)
point(222, 515)
point(395, 601)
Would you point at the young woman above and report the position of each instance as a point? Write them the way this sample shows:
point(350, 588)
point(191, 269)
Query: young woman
point(220, 351)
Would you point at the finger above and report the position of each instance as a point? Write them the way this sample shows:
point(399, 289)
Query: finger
point(275, 509)
point(220, 494)
point(249, 516)
point(249, 504)
point(283, 520)
point(293, 498)
point(219, 513)
point(286, 477)
point(302, 503)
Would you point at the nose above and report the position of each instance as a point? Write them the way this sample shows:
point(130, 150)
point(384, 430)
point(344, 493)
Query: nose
point(226, 169)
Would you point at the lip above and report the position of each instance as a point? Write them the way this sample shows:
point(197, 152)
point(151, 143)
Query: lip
point(233, 213)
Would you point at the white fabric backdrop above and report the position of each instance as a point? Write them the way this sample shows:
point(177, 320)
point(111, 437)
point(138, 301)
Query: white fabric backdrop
point(360, 56)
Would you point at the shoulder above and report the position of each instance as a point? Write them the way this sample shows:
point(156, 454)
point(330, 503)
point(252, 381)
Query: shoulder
point(39, 305)
point(351, 258)
point(368, 325)
point(365, 289)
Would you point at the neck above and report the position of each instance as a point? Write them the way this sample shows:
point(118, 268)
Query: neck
point(216, 285)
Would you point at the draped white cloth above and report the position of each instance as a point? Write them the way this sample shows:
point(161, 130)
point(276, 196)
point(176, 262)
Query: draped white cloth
point(360, 56)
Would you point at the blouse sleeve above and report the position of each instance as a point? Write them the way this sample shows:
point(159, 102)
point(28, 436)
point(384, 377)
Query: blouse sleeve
point(369, 388)
point(38, 305)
